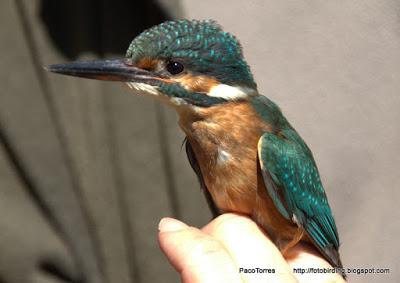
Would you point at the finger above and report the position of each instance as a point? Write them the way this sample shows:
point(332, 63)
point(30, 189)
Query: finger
point(306, 262)
point(195, 255)
point(250, 248)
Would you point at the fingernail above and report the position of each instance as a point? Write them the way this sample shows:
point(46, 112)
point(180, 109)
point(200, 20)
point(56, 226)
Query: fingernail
point(170, 225)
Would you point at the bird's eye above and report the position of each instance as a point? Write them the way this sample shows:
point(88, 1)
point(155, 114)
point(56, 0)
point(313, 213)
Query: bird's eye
point(174, 67)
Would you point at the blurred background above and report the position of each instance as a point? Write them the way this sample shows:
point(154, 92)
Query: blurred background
point(87, 169)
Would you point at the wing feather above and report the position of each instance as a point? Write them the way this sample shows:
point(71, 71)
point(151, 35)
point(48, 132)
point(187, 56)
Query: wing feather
point(292, 180)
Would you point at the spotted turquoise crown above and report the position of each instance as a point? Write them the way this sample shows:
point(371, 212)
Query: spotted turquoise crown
point(202, 45)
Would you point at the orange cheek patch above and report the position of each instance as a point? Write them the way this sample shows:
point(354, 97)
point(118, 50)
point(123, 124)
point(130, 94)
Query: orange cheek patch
point(147, 63)
point(197, 83)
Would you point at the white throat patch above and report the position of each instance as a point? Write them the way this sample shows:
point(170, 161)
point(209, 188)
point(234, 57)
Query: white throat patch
point(144, 88)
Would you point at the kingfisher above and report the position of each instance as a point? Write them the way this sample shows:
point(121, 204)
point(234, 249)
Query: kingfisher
point(247, 156)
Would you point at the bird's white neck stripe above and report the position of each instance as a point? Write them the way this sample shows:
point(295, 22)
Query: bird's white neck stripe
point(230, 92)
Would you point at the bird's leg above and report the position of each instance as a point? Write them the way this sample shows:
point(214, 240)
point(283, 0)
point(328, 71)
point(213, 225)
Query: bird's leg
point(296, 239)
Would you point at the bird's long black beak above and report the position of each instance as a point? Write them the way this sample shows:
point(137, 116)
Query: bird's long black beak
point(107, 70)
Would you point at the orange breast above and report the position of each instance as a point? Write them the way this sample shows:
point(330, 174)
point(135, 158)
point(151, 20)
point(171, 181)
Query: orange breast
point(224, 139)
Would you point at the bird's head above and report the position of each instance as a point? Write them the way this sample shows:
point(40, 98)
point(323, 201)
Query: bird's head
point(186, 62)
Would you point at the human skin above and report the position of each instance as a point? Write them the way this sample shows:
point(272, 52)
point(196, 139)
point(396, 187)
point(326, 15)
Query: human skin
point(215, 253)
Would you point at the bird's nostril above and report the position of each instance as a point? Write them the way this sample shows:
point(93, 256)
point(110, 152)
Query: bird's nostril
point(56, 270)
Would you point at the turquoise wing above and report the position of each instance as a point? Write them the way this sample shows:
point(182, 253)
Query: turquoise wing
point(292, 181)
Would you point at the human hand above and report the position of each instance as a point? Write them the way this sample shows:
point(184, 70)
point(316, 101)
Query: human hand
point(229, 242)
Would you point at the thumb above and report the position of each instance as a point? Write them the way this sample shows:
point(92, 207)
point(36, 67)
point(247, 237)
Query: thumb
point(197, 256)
